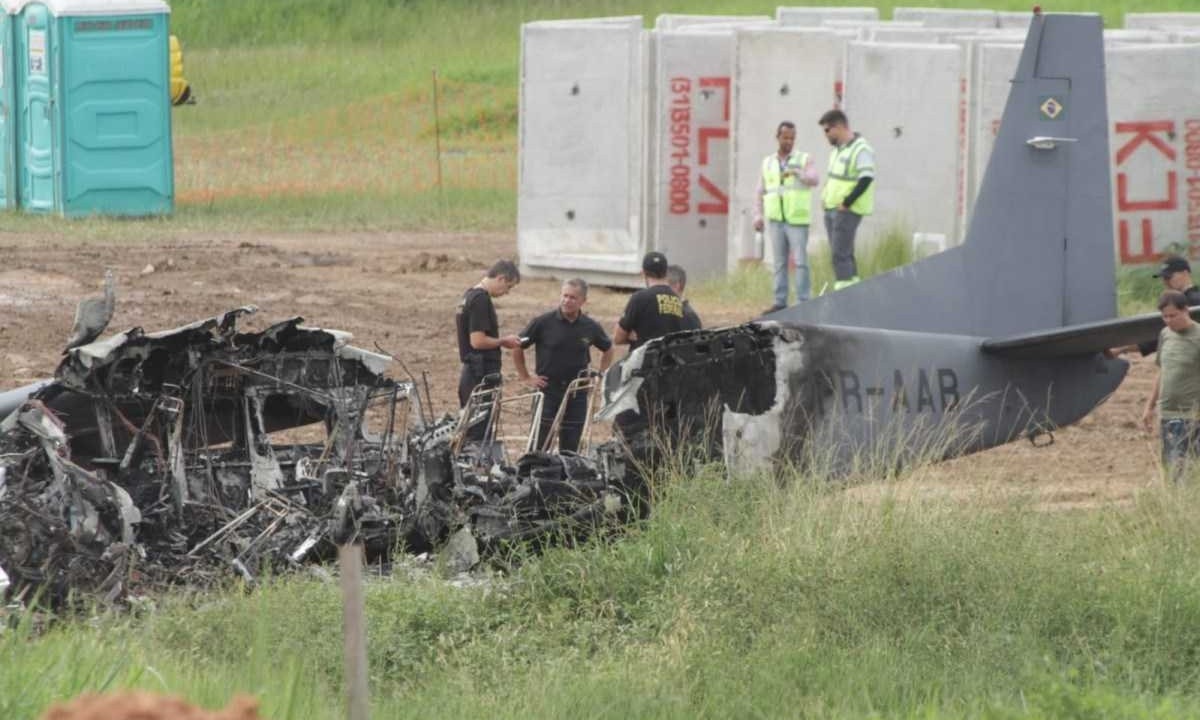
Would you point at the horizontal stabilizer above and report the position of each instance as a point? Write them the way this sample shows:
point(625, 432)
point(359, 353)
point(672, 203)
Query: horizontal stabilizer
point(1081, 339)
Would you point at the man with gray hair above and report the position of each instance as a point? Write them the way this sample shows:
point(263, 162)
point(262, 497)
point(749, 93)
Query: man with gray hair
point(677, 280)
point(564, 338)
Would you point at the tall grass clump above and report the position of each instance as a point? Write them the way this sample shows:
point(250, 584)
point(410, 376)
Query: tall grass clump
point(1137, 290)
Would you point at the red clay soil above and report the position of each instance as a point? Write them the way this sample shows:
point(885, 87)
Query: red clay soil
point(140, 705)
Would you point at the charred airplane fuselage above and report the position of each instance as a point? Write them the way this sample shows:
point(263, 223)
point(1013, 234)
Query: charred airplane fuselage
point(847, 398)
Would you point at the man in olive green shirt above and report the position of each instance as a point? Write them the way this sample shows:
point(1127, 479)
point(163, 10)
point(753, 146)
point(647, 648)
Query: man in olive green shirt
point(1177, 390)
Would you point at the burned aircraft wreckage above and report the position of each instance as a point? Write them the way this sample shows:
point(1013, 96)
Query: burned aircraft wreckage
point(185, 456)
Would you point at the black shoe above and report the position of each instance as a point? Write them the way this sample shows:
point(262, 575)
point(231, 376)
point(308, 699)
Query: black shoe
point(773, 308)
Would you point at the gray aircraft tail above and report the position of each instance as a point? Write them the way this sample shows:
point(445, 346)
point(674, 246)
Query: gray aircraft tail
point(1039, 250)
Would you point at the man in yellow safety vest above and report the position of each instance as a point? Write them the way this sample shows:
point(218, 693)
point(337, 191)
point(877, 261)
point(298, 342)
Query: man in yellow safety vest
point(785, 201)
point(848, 194)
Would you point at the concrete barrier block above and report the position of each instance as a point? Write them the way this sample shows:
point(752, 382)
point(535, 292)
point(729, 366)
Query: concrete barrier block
point(692, 116)
point(993, 67)
point(1125, 36)
point(946, 17)
point(785, 74)
point(1163, 20)
point(907, 101)
point(1155, 141)
point(816, 16)
point(1011, 20)
point(670, 21)
point(579, 202)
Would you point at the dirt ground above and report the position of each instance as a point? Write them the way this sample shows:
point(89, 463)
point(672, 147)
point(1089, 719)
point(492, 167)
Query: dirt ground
point(398, 290)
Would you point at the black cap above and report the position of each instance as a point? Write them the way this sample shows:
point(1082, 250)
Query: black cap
point(655, 264)
point(1172, 264)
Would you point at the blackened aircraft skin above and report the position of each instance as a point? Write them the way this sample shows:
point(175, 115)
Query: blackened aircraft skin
point(999, 338)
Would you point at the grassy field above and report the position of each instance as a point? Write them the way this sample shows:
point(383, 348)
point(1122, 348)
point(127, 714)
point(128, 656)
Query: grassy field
point(737, 599)
point(316, 115)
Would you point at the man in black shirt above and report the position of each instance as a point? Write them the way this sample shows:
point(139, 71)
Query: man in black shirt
point(564, 338)
point(677, 279)
point(652, 311)
point(479, 340)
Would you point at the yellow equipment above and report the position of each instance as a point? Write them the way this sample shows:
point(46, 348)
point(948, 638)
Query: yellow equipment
point(181, 91)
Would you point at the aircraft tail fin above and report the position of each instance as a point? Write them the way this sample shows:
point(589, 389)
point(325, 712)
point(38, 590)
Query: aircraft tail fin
point(1039, 250)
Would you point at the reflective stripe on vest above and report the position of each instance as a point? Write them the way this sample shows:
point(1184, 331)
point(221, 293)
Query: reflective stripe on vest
point(843, 175)
point(788, 201)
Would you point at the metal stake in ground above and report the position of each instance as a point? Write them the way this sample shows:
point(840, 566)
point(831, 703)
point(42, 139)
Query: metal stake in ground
point(354, 623)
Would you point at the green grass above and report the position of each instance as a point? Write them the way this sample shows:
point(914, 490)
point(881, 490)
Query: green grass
point(309, 99)
point(750, 287)
point(737, 599)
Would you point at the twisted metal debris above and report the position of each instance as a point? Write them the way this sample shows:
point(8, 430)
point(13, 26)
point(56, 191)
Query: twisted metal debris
point(195, 454)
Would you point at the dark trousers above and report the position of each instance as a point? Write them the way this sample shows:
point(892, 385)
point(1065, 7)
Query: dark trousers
point(1180, 447)
point(571, 430)
point(840, 227)
point(474, 370)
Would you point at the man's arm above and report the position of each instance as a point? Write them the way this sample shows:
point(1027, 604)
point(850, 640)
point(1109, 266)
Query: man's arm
point(482, 341)
point(759, 190)
point(518, 356)
point(476, 316)
point(620, 335)
point(1148, 413)
point(808, 175)
point(859, 188)
point(606, 359)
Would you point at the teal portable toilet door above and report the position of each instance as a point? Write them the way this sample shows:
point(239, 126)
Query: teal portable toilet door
point(35, 151)
point(8, 148)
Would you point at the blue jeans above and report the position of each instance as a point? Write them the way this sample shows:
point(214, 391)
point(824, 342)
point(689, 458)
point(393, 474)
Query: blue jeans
point(1180, 446)
point(790, 241)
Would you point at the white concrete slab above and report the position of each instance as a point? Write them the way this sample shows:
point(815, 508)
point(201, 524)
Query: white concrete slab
point(906, 100)
point(1011, 20)
point(580, 148)
point(786, 74)
point(672, 21)
point(1124, 36)
point(1155, 138)
point(993, 67)
point(693, 109)
point(816, 15)
point(863, 29)
point(1163, 20)
point(972, 164)
point(946, 17)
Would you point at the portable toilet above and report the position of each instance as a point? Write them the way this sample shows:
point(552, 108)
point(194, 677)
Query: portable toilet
point(8, 142)
point(93, 107)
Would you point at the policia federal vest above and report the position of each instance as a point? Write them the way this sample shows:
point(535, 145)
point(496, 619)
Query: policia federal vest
point(786, 199)
point(843, 176)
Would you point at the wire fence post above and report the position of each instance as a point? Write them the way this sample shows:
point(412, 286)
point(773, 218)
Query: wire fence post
point(437, 134)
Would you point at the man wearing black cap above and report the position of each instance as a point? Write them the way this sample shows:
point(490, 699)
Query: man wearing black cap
point(653, 311)
point(1176, 274)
